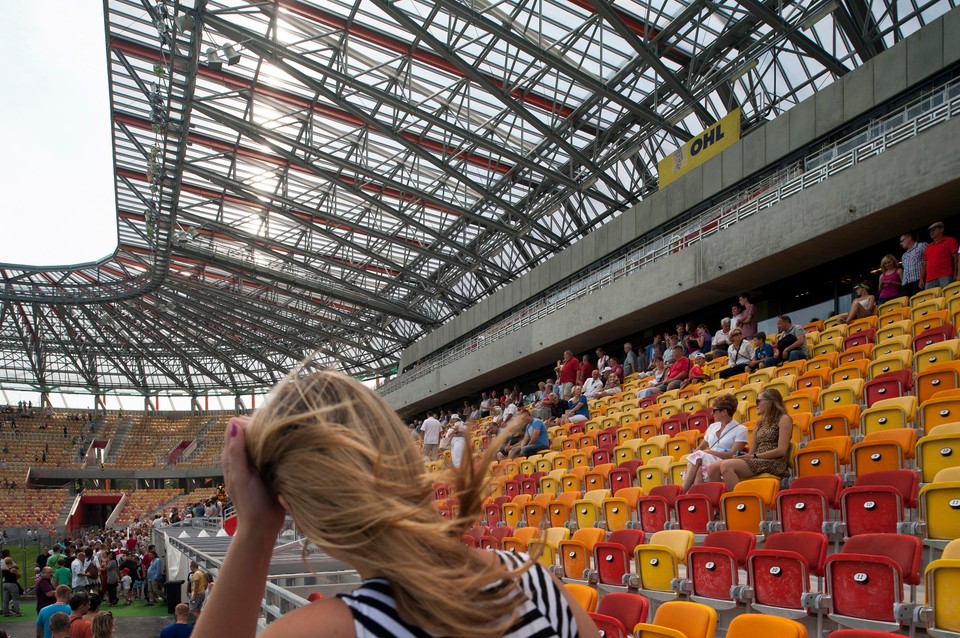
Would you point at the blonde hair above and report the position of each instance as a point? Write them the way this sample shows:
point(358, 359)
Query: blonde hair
point(356, 486)
point(102, 625)
point(890, 258)
point(776, 409)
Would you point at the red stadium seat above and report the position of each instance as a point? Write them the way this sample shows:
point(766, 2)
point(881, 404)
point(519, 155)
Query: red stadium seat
point(865, 581)
point(779, 574)
point(713, 567)
point(619, 610)
point(698, 507)
point(654, 509)
point(611, 559)
point(808, 503)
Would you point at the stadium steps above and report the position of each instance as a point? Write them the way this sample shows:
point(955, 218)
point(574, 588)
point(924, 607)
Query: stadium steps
point(119, 439)
point(61, 523)
point(202, 439)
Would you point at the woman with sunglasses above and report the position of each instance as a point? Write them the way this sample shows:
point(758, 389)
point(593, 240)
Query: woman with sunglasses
point(722, 440)
point(770, 445)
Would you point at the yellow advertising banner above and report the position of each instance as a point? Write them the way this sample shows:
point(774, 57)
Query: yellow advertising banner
point(723, 134)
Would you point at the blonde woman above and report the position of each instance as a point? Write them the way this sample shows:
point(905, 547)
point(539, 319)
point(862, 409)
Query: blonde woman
point(891, 278)
point(103, 625)
point(333, 454)
point(770, 446)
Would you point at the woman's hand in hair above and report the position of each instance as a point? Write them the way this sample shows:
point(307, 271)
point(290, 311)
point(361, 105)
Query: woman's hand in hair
point(258, 511)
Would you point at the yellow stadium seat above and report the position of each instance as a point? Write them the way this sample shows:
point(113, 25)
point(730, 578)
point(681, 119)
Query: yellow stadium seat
point(940, 352)
point(925, 295)
point(937, 451)
point(897, 360)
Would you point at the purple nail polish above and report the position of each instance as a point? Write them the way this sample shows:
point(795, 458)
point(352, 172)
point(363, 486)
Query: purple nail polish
point(233, 429)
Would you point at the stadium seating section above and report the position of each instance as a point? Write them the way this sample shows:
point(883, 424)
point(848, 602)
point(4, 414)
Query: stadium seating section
point(863, 534)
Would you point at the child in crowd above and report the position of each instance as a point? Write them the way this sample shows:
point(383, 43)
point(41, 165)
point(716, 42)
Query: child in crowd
point(126, 585)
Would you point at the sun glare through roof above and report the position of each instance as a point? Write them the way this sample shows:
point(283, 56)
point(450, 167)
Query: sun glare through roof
point(56, 170)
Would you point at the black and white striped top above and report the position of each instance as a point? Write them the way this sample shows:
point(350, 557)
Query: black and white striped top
point(544, 614)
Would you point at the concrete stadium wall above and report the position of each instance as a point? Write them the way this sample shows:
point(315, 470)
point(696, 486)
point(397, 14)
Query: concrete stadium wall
point(680, 284)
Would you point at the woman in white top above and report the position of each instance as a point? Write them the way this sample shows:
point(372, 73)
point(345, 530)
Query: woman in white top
point(723, 440)
point(659, 377)
point(739, 354)
point(863, 303)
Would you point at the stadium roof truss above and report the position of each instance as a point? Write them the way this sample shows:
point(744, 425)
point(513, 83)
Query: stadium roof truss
point(345, 176)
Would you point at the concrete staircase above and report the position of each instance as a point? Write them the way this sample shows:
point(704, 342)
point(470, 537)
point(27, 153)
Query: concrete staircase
point(118, 440)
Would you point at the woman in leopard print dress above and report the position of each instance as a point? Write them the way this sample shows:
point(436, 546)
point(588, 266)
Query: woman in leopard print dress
point(770, 444)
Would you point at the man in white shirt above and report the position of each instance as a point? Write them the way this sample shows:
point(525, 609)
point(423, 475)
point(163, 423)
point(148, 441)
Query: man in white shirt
point(593, 386)
point(430, 431)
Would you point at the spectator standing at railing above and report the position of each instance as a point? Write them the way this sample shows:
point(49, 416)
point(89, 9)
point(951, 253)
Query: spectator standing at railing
point(430, 430)
point(653, 350)
point(940, 258)
point(567, 369)
point(748, 318)
point(891, 276)
point(735, 311)
point(912, 261)
point(630, 362)
point(585, 371)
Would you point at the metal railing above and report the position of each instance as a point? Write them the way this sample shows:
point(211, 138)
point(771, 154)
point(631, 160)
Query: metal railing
point(903, 124)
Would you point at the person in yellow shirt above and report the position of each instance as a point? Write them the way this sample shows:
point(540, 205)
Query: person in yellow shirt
point(198, 589)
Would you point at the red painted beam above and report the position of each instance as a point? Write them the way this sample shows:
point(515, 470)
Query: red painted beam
point(208, 193)
point(239, 83)
point(384, 40)
point(642, 29)
point(243, 151)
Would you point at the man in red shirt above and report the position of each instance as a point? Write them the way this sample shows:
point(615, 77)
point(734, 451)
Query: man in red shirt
point(940, 259)
point(568, 369)
point(679, 370)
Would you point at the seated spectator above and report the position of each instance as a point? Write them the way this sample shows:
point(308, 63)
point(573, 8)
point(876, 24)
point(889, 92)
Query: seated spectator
point(653, 384)
point(702, 341)
point(697, 374)
point(612, 385)
point(593, 386)
point(577, 410)
point(739, 354)
point(721, 340)
point(770, 445)
point(863, 303)
point(558, 406)
point(535, 437)
point(891, 276)
point(668, 351)
point(679, 370)
point(791, 343)
point(724, 439)
point(761, 352)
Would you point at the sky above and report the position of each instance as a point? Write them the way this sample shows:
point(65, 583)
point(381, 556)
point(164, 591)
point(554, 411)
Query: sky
point(55, 143)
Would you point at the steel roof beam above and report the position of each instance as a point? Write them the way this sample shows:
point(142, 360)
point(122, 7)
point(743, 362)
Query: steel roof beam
point(793, 34)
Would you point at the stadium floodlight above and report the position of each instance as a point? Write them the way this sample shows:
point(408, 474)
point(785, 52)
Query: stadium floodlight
point(214, 61)
point(827, 9)
point(231, 54)
point(186, 22)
